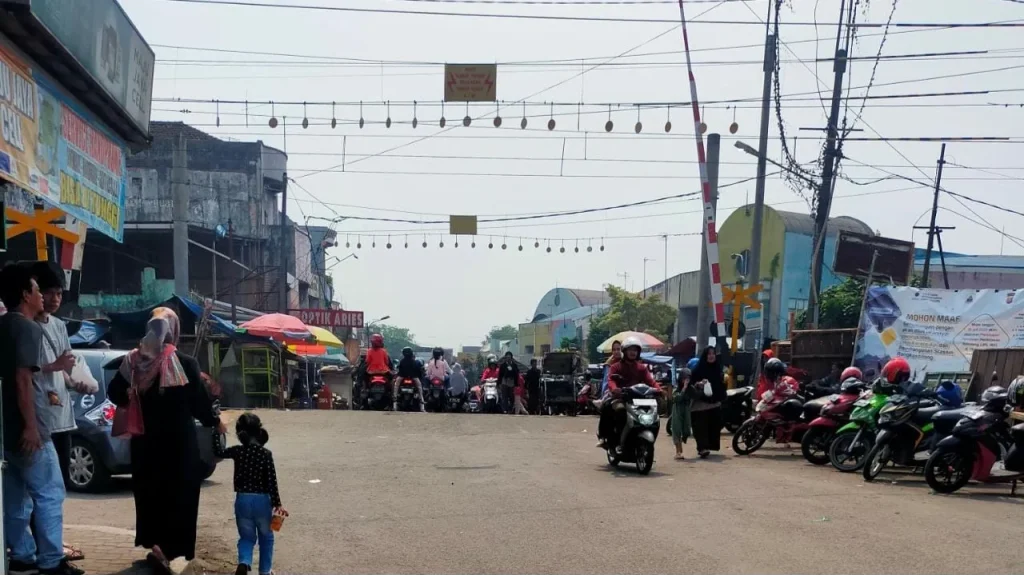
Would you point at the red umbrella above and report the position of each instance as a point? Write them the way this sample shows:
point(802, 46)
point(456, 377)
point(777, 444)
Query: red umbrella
point(280, 327)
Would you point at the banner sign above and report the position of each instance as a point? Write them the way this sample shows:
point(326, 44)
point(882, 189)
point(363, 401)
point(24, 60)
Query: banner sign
point(19, 119)
point(936, 330)
point(105, 42)
point(470, 82)
point(328, 318)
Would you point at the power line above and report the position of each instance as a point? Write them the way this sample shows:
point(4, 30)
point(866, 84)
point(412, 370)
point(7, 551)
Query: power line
point(924, 25)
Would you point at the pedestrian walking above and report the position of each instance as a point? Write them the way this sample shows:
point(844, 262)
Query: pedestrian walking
point(257, 500)
point(679, 418)
point(533, 388)
point(706, 407)
point(159, 395)
point(520, 396)
point(32, 480)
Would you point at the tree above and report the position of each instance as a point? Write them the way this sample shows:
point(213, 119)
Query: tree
point(502, 333)
point(629, 311)
point(395, 338)
point(595, 338)
point(840, 306)
point(569, 343)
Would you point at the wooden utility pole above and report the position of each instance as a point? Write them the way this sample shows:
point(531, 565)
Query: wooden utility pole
point(935, 211)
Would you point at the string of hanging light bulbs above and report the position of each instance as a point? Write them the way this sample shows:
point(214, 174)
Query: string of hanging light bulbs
point(467, 120)
point(520, 242)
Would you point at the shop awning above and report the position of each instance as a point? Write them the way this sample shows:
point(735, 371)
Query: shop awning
point(651, 357)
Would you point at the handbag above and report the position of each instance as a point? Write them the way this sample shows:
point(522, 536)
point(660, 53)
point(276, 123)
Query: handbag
point(128, 420)
point(708, 390)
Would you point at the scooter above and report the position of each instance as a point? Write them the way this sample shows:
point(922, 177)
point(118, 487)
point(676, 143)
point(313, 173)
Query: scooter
point(738, 407)
point(437, 396)
point(585, 404)
point(834, 414)
point(786, 421)
point(408, 399)
point(491, 400)
point(982, 447)
point(905, 431)
point(854, 440)
point(378, 396)
point(641, 430)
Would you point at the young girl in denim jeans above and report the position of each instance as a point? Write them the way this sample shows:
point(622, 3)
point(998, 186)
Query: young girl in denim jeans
point(256, 496)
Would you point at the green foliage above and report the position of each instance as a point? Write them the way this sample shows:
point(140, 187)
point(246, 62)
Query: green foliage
point(595, 338)
point(840, 306)
point(629, 311)
point(569, 343)
point(395, 338)
point(502, 333)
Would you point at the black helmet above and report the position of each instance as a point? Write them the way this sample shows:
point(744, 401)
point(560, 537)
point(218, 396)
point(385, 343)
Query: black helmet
point(774, 368)
point(438, 352)
point(406, 352)
point(992, 392)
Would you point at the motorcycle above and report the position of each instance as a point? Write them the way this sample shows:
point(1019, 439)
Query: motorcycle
point(437, 396)
point(905, 431)
point(491, 399)
point(854, 440)
point(641, 430)
point(786, 420)
point(739, 405)
point(585, 404)
point(820, 433)
point(377, 395)
point(408, 399)
point(982, 447)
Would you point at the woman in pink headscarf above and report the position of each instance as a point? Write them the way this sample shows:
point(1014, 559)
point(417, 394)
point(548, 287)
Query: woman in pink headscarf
point(167, 385)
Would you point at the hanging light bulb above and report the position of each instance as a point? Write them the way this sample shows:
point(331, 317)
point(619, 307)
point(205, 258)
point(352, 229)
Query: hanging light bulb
point(490, 244)
point(406, 242)
point(703, 127)
point(522, 123)
point(359, 244)
point(609, 125)
point(305, 118)
point(590, 249)
point(273, 117)
point(440, 244)
point(424, 241)
point(520, 244)
point(561, 250)
point(362, 122)
point(733, 127)
point(334, 120)
point(387, 121)
point(577, 249)
point(536, 244)
point(415, 121)
point(497, 116)
point(466, 121)
point(374, 244)
point(504, 246)
point(389, 242)
point(443, 120)
point(668, 119)
point(551, 121)
point(639, 127)
point(218, 112)
point(473, 244)
point(346, 241)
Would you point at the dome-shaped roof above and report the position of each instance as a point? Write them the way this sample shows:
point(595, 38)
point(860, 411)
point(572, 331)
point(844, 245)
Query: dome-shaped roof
point(804, 224)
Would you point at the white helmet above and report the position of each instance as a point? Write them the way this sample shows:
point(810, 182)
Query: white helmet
point(492, 358)
point(632, 341)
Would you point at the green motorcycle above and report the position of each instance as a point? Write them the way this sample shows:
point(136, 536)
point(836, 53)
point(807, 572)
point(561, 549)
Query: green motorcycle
point(853, 441)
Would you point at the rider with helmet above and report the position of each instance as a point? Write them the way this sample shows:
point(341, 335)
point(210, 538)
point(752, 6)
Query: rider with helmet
point(782, 386)
point(851, 372)
point(409, 368)
point(627, 372)
point(438, 367)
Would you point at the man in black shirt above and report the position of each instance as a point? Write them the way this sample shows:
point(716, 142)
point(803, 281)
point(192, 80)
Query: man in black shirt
point(533, 387)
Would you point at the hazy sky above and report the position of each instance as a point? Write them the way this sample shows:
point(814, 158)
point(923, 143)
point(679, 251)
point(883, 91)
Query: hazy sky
point(452, 296)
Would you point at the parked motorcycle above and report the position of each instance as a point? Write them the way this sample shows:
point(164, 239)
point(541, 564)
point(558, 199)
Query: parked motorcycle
point(408, 398)
point(786, 421)
point(982, 447)
point(738, 407)
point(437, 395)
point(641, 429)
point(586, 404)
point(491, 400)
point(905, 431)
point(378, 395)
point(854, 440)
point(820, 433)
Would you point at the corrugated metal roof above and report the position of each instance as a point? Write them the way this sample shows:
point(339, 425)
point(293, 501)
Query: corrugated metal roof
point(590, 296)
point(966, 261)
point(574, 314)
point(804, 224)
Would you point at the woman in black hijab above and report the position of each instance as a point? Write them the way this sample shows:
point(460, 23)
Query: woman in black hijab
point(706, 411)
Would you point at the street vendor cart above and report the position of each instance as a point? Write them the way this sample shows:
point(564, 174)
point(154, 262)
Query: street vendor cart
point(558, 383)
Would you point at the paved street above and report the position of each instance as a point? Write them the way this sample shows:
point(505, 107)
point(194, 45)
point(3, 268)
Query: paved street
point(412, 493)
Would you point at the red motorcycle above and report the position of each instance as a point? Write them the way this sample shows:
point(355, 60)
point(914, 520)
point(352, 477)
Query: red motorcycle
point(786, 420)
point(834, 414)
point(437, 395)
point(377, 395)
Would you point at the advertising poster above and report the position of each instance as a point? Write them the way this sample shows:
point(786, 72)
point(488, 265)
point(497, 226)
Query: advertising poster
point(85, 176)
point(936, 330)
point(21, 162)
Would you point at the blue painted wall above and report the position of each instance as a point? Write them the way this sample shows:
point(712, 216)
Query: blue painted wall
point(796, 273)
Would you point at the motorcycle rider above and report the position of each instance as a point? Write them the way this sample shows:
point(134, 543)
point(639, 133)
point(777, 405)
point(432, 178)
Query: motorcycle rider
point(627, 372)
point(438, 367)
point(491, 371)
point(408, 368)
point(378, 362)
point(896, 372)
point(782, 386)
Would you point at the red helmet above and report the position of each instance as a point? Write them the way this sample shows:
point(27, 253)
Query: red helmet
point(851, 372)
point(377, 340)
point(896, 371)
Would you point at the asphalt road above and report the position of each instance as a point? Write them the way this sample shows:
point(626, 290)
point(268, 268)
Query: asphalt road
point(428, 493)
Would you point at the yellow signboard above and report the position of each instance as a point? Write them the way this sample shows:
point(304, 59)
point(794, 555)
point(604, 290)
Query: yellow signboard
point(19, 121)
point(470, 82)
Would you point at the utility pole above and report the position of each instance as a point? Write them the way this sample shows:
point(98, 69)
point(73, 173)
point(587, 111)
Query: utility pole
point(754, 264)
point(233, 276)
point(645, 273)
point(825, 189)
point(179, 195)
point(625, 280)
point(665, 239)
point(703, 309)
point(935, 210)
point(213, 267)
point(285, 244)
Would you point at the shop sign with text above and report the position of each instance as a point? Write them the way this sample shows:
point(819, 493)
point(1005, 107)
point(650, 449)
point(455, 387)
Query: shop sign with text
point(328, 318)
point(21, 160)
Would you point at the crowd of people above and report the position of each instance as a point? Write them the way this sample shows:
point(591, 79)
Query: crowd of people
point(159, 392)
